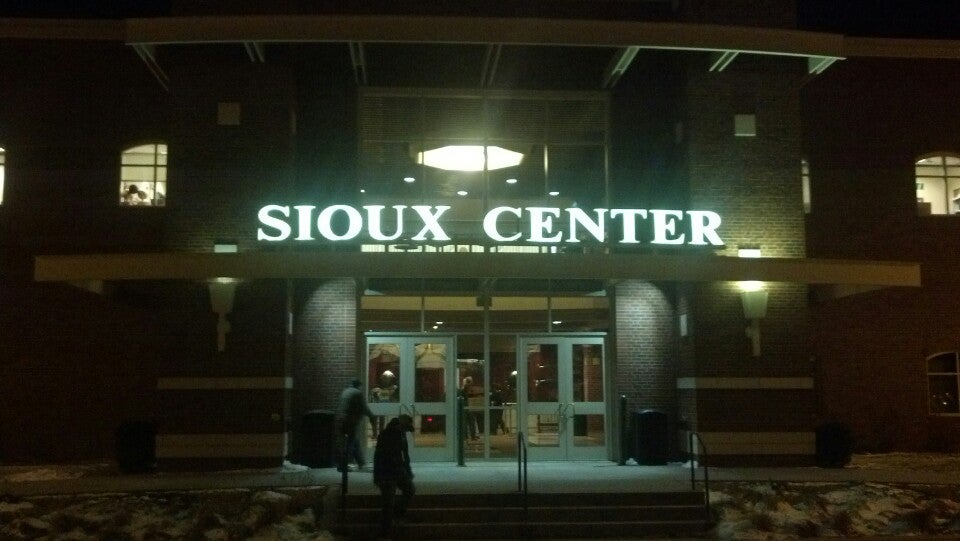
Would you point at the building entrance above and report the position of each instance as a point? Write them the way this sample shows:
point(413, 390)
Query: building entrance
point(550, 387)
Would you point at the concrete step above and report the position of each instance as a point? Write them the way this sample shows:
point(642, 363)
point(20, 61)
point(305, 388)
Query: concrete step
point(533, 530)
point(536, 514)
point(547, 516)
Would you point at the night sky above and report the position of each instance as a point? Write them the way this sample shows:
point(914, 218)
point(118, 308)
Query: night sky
point(881, 18)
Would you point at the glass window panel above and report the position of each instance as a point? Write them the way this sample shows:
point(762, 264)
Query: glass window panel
point(429, 430)
point(944, 363)
point(160, 194)
point(137, 173)
point(577, 173)
point(543, 430)
point(139, 159)
point(139, 168)
point(588, 431)
point(383, 372)
point(3, 155)
point(929, 171)
point(542, 373)
point(521, 314)
point(937, 179)
point(587, 373)
point(430, 372)
point(943, 394)
point(516, 119)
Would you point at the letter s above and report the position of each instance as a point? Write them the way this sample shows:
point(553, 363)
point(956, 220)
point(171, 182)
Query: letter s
point(266, 218)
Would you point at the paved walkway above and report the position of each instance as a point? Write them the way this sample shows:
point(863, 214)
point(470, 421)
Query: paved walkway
point(477, 477)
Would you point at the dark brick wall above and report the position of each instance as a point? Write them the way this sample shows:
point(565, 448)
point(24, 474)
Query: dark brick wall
point(646, 345)
point(754, 183)
point(222, 174)
point(865, 124)
point(326, 356)
point(75, 365)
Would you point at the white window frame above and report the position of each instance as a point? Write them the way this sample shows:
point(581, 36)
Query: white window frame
point(944, 375)
point(143, 175)
point(937, 178)
point(3, 170)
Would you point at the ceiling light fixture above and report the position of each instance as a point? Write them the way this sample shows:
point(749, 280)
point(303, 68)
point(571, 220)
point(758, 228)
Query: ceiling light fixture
point(408, 180)
point(469, 158)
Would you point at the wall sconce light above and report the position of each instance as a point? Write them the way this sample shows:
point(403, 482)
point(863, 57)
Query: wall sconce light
point(222, 291)
point(754, 299)
point(221, 302)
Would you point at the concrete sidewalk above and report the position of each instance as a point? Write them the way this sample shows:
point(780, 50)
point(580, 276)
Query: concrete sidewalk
point(476, 477)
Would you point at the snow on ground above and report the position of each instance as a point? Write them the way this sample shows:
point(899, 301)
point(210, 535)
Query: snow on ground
point(745, 510)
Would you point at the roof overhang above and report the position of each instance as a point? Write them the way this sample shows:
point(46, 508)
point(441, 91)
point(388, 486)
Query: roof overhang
point(477, 30)
point(295, 265)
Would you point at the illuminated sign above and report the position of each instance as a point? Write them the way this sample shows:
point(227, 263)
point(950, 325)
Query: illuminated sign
point(542, 225)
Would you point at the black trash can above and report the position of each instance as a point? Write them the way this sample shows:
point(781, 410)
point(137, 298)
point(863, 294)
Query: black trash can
point(834, 446)
point(136, 447)
point(317, 439)
point(652, 439)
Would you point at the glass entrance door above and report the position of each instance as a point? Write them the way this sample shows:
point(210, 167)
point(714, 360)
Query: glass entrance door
point(562, 408)
point(414, 375)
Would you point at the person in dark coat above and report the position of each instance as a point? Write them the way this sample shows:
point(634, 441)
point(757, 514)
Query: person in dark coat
point(392, 472)
point(351, 410)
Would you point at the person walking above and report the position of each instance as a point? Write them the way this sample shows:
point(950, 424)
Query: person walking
point(392, 472)
point(351, 410)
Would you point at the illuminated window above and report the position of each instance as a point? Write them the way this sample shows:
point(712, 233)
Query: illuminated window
point(805, 183)
point(938, 185)
point(943, 377)
point(143, 176)
point(3, 161)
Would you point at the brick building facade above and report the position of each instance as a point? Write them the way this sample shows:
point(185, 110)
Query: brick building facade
point(114, 314)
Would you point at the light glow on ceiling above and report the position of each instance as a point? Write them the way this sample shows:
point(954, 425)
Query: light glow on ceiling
point(469, 158)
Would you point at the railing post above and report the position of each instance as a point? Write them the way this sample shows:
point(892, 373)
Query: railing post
point(461, 426)
point(623, 430)
point(344, 478)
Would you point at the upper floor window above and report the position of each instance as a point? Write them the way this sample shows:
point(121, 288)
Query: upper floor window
point(3, 166)
point(143, 175)
point(943, 376)
point(938, 185)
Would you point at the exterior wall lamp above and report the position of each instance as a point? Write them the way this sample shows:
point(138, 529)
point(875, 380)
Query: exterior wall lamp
point(222, 291)
point(754, 296)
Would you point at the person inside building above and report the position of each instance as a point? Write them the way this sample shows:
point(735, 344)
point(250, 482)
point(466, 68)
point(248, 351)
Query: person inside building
point(392, 471)
point(351, 410)
point(133, 196)
point(470, 416)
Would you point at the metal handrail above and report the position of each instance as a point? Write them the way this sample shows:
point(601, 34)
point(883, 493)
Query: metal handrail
point(522, 486)
point(344, 477)
point(706, 470)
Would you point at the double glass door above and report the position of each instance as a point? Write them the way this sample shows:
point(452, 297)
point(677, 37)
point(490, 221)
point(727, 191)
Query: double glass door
point(563, 413)
point(550, 387)
point(413, 375)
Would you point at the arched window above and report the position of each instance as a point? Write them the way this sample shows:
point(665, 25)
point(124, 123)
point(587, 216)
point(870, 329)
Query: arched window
point(938, 185)
point(3, 166)
point(143, 175)
point(805, 184)
point(943, 377)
